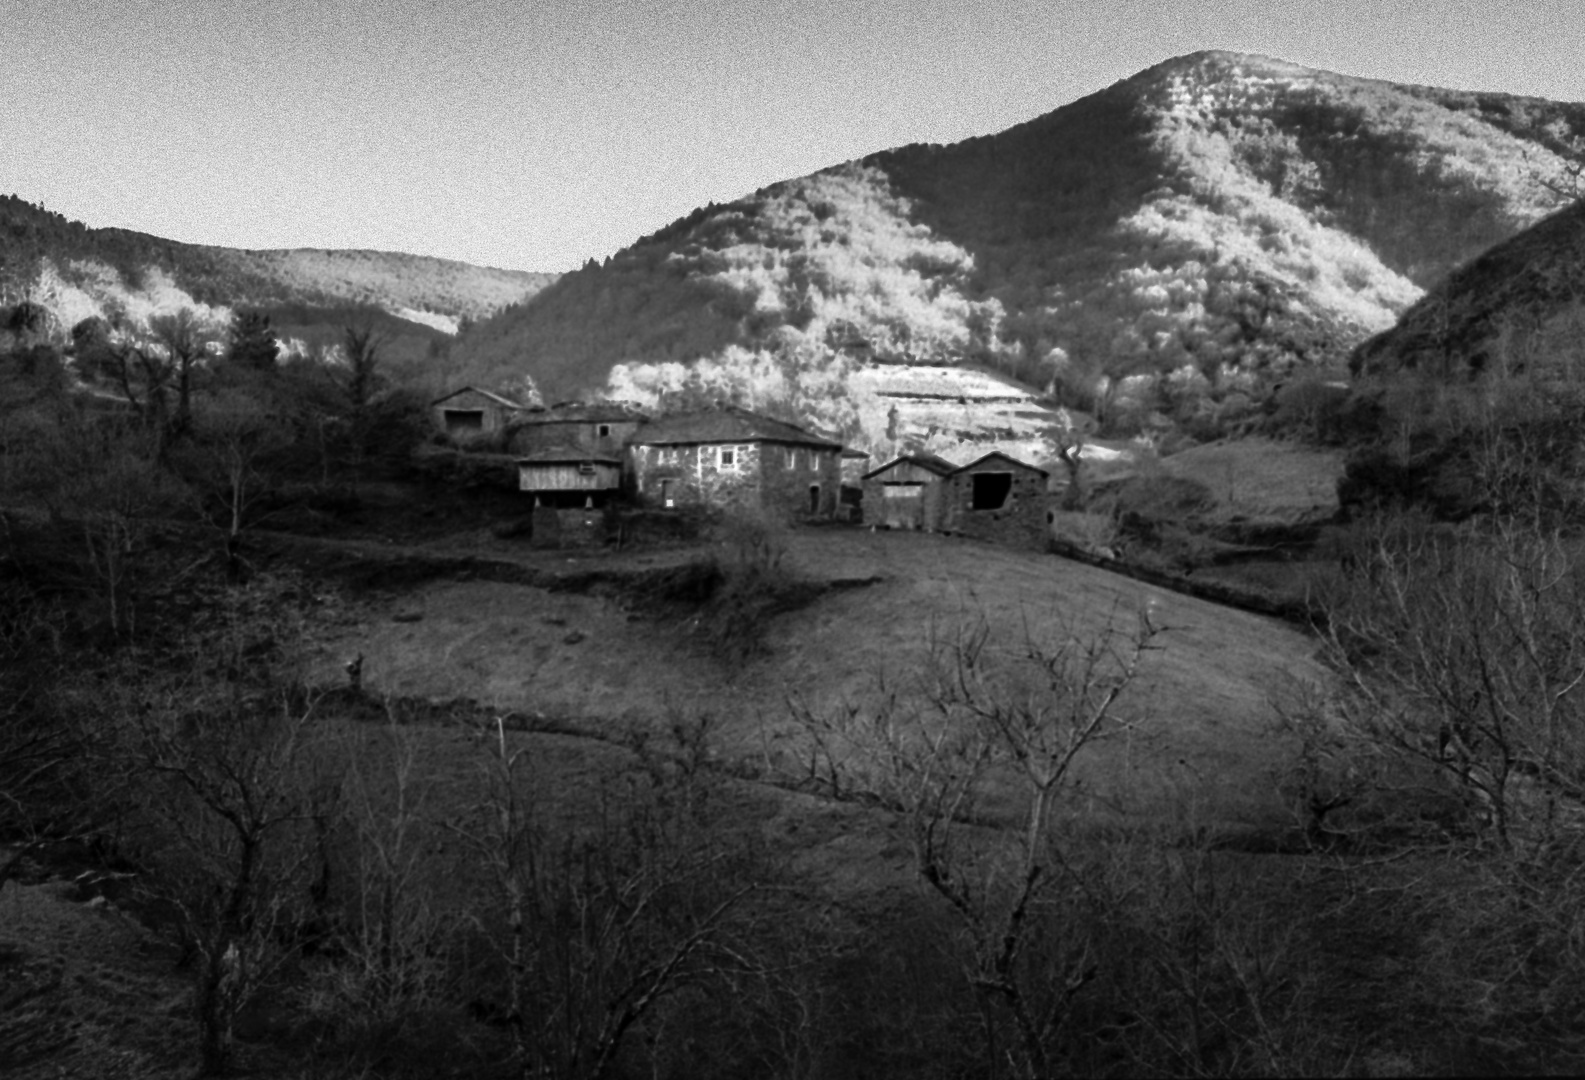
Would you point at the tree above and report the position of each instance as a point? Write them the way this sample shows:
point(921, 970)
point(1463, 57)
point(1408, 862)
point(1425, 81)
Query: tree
point(253, 344)
point(232, 777)
point(181, 341)
point(227, 459)
point(362, 345)
point(596, 928)
point(939, 756)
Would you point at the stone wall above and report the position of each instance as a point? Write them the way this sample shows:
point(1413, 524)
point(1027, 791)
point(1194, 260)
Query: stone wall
point(785, 486)
point(1019, 522)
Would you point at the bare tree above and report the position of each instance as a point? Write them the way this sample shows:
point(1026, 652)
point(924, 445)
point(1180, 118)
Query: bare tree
point(596, 925)
point(232, 783)
point(986, 723)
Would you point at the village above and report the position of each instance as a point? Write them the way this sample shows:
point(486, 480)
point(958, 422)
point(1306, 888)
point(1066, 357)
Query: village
point(579, 460)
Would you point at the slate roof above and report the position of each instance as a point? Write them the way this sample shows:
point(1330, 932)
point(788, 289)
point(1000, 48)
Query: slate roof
point(928, 462)
point(1005, 457)
point(497, 398)
point(726, 426)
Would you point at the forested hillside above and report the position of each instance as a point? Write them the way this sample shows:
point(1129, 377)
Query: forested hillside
point(77, 272)
point(1209, 226)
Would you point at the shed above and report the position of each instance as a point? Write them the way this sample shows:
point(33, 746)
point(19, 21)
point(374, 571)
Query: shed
point(471, 411)
point(898, 493)
point(997, 498)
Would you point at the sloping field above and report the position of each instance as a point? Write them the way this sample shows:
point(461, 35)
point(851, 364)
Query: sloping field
point(1264, 480)
point(1202, 699)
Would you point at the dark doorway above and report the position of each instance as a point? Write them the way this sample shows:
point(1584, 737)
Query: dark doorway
point(668, 493)
point(814, 498)
point(464, 421)
point(991, 490)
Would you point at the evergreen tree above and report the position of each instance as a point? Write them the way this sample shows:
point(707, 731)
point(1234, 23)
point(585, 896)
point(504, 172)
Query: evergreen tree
point(253, 342)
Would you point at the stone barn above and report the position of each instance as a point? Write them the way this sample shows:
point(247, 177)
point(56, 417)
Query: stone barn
point(901, 493)
point(472, 412)
point(731, 457)
point(996, 498)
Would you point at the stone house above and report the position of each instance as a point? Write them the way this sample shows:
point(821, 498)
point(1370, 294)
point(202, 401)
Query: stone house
point(471, 412)
point(732, 457)
point(904, 492)
point(996, 498)
point(600, 427)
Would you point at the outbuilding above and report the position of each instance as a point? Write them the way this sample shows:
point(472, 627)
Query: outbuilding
point(569, 476)
point(996, 498)
point(903, 493)
point(472, 412)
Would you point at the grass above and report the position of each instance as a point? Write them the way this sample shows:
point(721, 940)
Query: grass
point(573, 655)
point(1263, 480)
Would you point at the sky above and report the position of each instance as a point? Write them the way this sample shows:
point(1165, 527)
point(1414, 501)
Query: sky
point(534, 136)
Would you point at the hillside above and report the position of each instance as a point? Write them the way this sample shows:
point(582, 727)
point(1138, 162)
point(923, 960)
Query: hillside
point(76, 272)
point(1205, 227)
point(1487, 313)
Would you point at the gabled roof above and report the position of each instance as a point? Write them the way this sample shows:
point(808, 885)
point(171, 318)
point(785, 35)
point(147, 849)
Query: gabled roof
point(928, 462)
point(586, 412)
point(497, 398)
point(1005, 457)
point(725, 426)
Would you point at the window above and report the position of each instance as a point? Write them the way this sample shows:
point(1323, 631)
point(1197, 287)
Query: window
point(667, 455)
point(731, 457)
point(604, 431)
point(991, 490)
point(792, 457)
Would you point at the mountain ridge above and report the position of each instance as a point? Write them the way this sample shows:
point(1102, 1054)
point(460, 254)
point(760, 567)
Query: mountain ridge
point(1207, 228)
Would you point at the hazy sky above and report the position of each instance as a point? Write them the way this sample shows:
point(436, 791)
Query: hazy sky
point(536, 135)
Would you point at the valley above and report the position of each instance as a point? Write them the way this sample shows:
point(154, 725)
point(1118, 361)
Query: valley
point(414, 669)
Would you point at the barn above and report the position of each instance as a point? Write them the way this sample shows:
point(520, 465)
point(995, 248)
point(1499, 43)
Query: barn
point(471, 412)
point(901, 493)
point(996, 498)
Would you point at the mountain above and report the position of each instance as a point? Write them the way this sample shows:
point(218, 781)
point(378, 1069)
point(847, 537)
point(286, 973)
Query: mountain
point(415, 301)
point(1177, 243)
point(1494, 310)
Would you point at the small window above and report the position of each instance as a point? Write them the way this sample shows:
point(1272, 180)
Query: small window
point(728, 457)
point(604, 431)
point(991, 490)
point(666, 456)
point(792, 457)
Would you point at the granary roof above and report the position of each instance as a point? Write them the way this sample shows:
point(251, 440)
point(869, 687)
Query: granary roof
point(565, 453)
point(928, 462)
point(586, 412)
point(726, 426)
point(1005, 457)
point(499, 399)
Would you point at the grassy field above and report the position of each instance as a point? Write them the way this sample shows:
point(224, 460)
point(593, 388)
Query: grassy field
point(1262, 479)
point(1202, 701)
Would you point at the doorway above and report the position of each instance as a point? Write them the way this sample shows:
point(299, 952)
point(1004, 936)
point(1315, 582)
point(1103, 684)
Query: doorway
point(814, 498)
